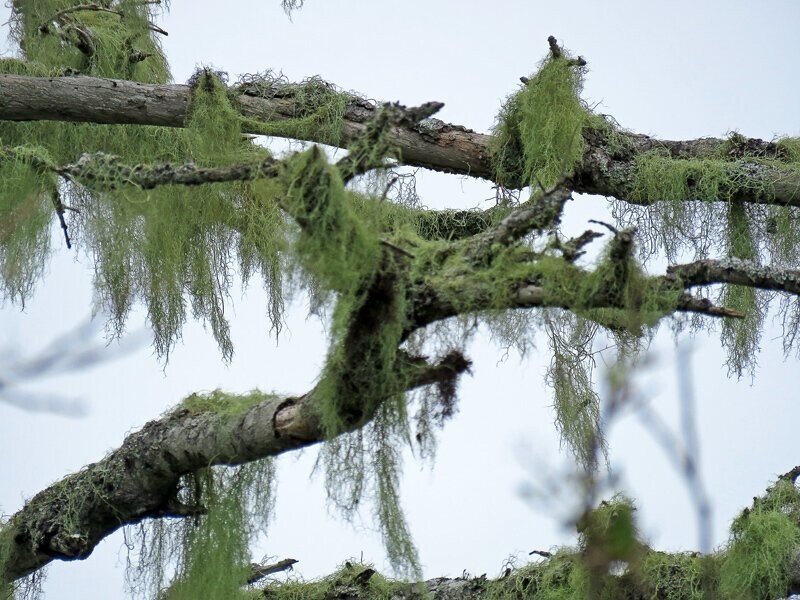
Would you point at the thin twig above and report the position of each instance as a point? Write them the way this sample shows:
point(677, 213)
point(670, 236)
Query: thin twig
point(60, 212)
point(258, 572)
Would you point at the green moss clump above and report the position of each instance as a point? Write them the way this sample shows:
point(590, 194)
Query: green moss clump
point(318, 108)
point(561, 576)
point(539, 134)
point(765, 540)
point(758, 562)
point(92, 42)
point(679, 576)
point(16, 66)
point(347, 580)
point(6, 545)
point(223, 403)
point(789, 149)
point(608, 533)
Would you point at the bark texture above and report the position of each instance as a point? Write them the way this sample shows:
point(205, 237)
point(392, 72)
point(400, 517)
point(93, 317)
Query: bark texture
point(431, 143)
point(140, 479)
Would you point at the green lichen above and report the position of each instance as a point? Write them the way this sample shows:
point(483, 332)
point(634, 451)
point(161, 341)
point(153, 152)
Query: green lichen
point(741, 336)
point(538, 138)
point(349, 579)
point(216, 558)
point(764, 544)
point(658, 177)
point(121, 44)
point(213, 127)
point(27, 196)
point(172, 247)
point(207, 555)
point(334, 244)
point(220, 402)
point(789, 149)
point(576, 403)
point(6, 545)
point(561, 576)
point(318, 108)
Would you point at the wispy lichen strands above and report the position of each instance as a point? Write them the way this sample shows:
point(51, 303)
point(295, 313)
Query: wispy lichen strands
point(120, 43)
point(763, 545)
point(538, 136)
point(26, 210)
point(741, 336)
point(576, 403)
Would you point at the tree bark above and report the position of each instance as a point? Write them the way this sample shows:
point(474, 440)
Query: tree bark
point(140, 479)
point(431, 144)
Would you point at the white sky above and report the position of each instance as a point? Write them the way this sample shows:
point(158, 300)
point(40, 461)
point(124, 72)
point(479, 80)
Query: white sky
point(676, 70)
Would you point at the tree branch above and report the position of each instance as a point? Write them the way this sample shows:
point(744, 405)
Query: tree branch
point(431, 143)
point(140, 479)
point(738, 272)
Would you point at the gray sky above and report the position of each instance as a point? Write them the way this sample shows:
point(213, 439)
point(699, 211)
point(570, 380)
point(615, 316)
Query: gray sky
point(675, 70)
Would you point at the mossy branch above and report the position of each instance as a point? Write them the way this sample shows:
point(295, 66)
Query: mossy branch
point(138, 480)
point(736, 271)
point(609, 165)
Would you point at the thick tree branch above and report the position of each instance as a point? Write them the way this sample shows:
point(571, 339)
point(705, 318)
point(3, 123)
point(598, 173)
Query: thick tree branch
point(431, 143)
point(738, 272)
point(140, 479)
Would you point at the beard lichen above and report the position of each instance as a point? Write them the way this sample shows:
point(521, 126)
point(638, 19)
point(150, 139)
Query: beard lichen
point(119, 43)
point(764, 544)
point(208, 553)
point(576, 403)
point(171, 247)
point(741, 336)
point(318, 107)
point(27, 197)
point(538, 139)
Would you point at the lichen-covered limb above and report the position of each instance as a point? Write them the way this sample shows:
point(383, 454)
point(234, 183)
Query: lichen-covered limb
point(737, 272)
point(103, 171)
point(539, 213)
point(140, 479)
point(606, 169)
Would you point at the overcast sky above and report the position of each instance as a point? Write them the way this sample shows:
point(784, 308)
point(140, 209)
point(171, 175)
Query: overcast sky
point(672, 69)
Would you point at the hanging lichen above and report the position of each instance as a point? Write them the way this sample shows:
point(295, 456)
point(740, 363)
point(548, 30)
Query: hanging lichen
point(216, 558)
point(741, 336)
point(27, 197)
point(368, 462)
point(318, 108)
point(538, 138)
point(576, 403)
point(208, 553)
point(91, 39)
point(171, 247)
point(765, 540)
